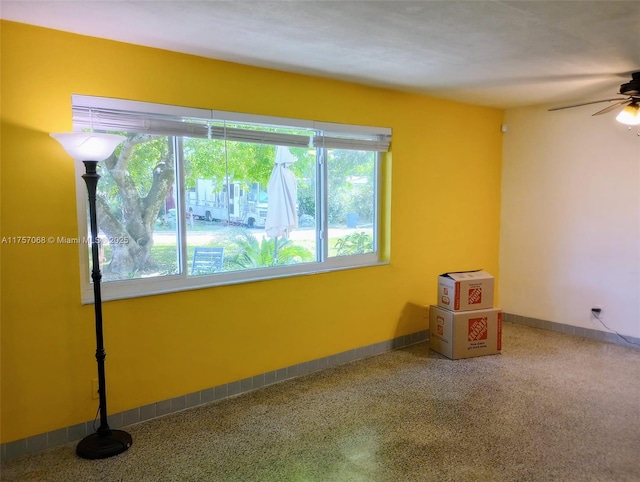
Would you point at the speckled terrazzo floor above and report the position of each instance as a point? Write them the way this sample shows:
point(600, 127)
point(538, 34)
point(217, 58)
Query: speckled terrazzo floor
point(551, 407)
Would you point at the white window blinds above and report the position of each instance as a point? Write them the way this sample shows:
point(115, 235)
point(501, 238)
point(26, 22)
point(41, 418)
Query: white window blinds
point(123, 121)
point(101, 114)
point(380, 144)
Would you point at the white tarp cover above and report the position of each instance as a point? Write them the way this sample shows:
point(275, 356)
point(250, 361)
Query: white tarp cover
point(282, 191)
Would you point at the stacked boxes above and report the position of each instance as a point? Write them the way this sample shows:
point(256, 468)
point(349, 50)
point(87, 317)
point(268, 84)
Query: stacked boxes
point(465, 324)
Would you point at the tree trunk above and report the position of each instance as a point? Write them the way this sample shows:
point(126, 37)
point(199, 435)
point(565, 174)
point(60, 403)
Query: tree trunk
point(131, 236)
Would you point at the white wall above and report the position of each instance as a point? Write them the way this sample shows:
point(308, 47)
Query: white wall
point(570, 226)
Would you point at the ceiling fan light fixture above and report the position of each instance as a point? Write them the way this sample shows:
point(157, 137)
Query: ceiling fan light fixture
point(630, 115)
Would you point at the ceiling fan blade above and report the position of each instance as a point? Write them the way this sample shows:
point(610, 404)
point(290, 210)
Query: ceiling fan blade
point(613, 107)
point(589, 103)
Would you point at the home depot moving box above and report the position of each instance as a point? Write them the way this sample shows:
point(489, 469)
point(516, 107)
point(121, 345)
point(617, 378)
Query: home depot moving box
point(465, 290)
point(465, 334)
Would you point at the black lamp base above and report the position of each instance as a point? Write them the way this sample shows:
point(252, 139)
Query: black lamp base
point(104, 445)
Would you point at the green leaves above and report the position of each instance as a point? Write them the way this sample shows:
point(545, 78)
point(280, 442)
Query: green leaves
point(355, 243)
point(251, 253)
point(217, 159)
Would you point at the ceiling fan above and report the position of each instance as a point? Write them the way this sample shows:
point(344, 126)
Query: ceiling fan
point(630, 114)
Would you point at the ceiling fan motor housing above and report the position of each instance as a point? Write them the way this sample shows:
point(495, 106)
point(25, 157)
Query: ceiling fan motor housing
point(631, 88)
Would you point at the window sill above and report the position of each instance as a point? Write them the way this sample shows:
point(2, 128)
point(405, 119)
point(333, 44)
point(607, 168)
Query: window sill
point(116, 290)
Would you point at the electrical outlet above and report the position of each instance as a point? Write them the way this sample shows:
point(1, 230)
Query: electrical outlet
point(595, 313)
point(94, 389)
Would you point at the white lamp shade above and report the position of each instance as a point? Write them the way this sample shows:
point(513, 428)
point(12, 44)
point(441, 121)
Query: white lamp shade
point(630, 115)
point(88, 146)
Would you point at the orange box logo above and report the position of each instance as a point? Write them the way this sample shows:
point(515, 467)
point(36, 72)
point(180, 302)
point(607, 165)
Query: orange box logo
point(445, 300)
point(478, 329)
point(446, 291)
point(440, 320)
point(475, 296)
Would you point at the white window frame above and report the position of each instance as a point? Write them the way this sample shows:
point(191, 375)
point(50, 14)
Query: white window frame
point(113, 290)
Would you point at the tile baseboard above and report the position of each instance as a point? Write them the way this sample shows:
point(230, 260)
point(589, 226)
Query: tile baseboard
point(37, 443)
point(604, 336)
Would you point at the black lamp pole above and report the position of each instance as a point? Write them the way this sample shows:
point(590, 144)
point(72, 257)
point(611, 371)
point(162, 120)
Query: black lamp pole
point(104, 442)
point(90, 148)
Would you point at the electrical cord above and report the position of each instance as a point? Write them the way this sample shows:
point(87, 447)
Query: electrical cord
point(596, 314)
point(96, 419)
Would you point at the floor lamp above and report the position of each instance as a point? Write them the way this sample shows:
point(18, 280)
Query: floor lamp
point(90, 148)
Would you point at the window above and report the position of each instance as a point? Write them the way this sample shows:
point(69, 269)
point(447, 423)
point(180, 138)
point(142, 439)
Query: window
point(195, 198)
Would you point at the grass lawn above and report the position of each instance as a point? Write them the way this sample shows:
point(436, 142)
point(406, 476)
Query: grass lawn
point(164, 251)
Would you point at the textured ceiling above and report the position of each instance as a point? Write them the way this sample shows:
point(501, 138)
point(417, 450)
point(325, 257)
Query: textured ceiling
point(496, 53)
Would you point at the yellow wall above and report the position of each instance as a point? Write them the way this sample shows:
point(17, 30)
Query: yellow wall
point(445, 206)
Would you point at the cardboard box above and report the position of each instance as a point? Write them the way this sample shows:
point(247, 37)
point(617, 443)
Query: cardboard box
point(465, 334)
point(465, 290)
